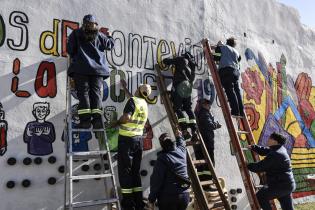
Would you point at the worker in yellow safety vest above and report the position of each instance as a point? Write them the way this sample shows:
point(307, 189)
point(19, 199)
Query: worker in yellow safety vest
point(130, 144)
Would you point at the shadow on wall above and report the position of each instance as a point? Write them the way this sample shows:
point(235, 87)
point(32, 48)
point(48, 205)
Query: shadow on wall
point(39, 78)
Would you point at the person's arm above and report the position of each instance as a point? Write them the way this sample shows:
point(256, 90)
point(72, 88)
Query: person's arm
point(72, 44)
point(128, 111)
point(217, 54)
point(261, 166)
point(157, 180)
point(180, 141)
point(263, 151)
point(108, 42)
point(170, 61)
point(124, 86)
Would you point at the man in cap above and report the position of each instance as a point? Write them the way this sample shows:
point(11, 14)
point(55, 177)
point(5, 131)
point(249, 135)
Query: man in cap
point(183, 79)
point(169, 182)
point(130, 144)
point(277, 166)
point(229, 73)
point(88, 68)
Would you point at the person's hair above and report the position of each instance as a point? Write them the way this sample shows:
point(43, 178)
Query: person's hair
point(231, 42)
point(278, 138)
point(166, 142)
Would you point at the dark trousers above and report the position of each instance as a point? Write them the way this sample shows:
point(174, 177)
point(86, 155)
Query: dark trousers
point(174, 202)
point(89, 93)
point(229, 80)
point(129, 162)
point(199, 156)
point(282, 193)
point(183, 104)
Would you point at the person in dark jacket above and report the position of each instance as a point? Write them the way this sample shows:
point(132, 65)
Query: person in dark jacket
point(229, 74)
point(170, 169)
point(183, 79)
point(277, 166)
point(206, 126)
point(88, 68)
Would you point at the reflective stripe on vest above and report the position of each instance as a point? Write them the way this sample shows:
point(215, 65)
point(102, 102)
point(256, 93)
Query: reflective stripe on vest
point(138, 119)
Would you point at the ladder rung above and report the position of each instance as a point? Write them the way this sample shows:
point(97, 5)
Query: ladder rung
point(92, 176)
point(192, 143)
point(94, 202)
point(242, 132)
point(199, 162)
point(85, 130)
point(216, 205)
point(88, 154)
point(237, 116)
point(205, 183)
point(259, 186)
point(245, 149)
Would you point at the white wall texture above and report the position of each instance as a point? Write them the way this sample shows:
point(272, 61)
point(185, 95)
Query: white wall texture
point(164, 28)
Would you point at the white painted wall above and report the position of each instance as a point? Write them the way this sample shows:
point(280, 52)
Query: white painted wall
point(173, 21)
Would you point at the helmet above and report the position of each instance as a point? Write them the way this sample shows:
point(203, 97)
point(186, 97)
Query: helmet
point(145, 90)
point(89, 19)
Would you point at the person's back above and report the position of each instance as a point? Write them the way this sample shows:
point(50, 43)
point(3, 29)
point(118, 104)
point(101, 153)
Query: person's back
point(166, 183)
point(88, 56)
point(277, 166)
point(229, 57)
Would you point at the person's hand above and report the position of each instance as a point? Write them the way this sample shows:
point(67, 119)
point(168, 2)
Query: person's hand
point(178, 133)
point(218, 125)
point(250, 147)
point(123, 83)
point(151, 206)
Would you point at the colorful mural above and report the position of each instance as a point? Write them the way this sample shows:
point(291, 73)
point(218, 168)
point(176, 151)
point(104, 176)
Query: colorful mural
point(3, 132)
point(275, 102)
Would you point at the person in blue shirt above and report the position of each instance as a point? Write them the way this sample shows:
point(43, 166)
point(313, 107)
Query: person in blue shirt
point(168, 180)
point(277, 166)
point(229, 74)
point(88, 68)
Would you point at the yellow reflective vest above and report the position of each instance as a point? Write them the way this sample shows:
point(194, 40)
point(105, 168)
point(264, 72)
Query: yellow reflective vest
point(138, 119)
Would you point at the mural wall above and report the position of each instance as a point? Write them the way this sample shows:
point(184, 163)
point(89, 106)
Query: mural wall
point(278, 101)
point(276, 81)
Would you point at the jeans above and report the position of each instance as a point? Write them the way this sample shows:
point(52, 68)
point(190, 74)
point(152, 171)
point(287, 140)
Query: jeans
point(282, 193)
point(229, 80)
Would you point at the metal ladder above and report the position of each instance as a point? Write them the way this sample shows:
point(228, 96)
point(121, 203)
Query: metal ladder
point(101, 154)
point(197, 185)
point(235, 132)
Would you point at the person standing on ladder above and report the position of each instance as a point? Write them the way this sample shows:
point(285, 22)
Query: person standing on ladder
point(169, 182)
point(206, 126)
point(88, 68)
point(130, 146)
point(229, 73)
point(183, 79)
point(278, 169)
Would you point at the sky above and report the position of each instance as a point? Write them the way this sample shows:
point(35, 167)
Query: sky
point(306, 9)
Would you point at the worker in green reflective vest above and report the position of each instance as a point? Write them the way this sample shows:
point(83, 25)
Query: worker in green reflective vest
point(130, 144)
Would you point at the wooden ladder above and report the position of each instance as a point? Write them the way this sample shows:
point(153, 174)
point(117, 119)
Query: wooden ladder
point(197, 185)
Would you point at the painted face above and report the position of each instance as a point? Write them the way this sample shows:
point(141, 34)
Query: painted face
point(41, 113)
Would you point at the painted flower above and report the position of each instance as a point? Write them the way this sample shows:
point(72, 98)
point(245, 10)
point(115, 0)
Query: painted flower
point(252, 85)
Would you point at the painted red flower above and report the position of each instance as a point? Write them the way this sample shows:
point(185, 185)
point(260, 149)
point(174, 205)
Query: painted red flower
point(252, 85)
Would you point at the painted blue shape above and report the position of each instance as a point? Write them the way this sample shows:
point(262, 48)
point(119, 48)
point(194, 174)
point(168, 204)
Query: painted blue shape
point(260, 61)
point(272, 125)
point(288, 102)
point(105, 91)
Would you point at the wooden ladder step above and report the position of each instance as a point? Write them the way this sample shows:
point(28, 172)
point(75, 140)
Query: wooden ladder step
point(192, 143)
point(199, 162)
point(205, 183)
point(243, 132)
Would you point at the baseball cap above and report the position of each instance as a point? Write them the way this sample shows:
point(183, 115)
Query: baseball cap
point(89, 19)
